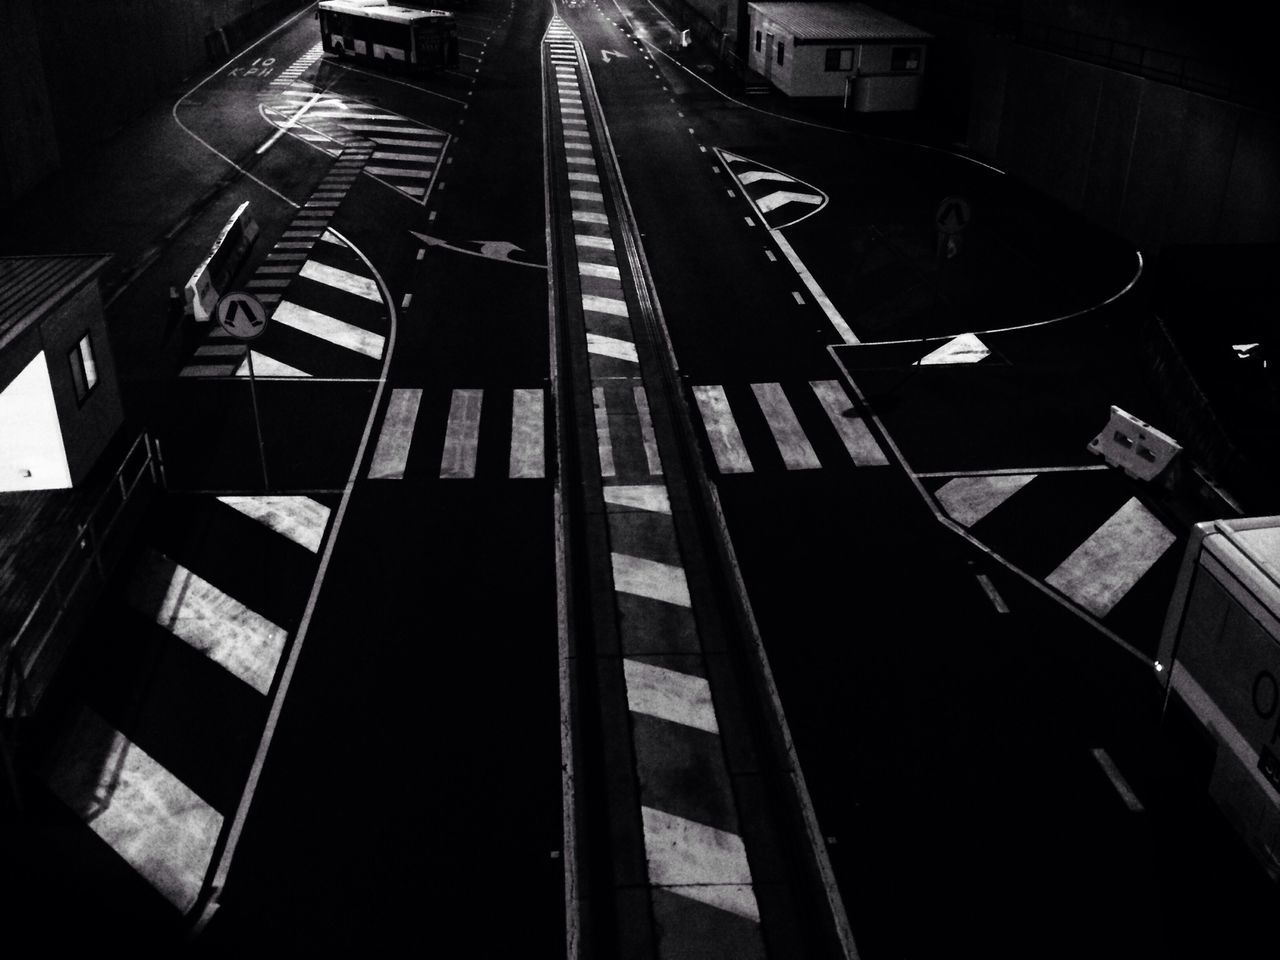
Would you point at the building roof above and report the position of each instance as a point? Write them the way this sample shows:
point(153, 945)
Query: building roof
point(837, 21)
point(32, 286)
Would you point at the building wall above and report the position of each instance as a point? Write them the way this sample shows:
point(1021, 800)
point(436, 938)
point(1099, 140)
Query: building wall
point(87, 427)
point(32, 456)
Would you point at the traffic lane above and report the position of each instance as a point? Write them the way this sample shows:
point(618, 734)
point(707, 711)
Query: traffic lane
point(413, 785)
point(946, 745)
point(734, 308)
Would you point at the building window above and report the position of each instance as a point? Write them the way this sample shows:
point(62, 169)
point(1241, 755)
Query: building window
point(84, 367)
point(905, 58)
point(779, 53)
point(757, 41)
point(838, 59)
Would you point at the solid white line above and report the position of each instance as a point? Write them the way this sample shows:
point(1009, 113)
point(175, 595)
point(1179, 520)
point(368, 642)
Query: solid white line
point(992, 593)
point(528, 457)
point(604, 441)
point(702, 863)
point(301, 519)
point(462, 435)
point(392, 452)
point(1006, 471)
point(669, 695)
point(639, 496)
point(1106, 566)
point(288, 124)
point(220, 872)
point(722, 430)
point(1117, 780)
point(401, 172)
point(797, 452)
point(651, 579)
point(265, 366)
point(329, 328)
point(827, 306)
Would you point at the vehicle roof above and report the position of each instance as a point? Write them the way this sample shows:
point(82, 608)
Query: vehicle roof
point(381, 10)
point(838, 21)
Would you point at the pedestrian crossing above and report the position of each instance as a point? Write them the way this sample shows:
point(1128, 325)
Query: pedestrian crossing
point(1085, 533)
point(292, 73)
point(779, 199)
point(403, 154)
point(151, 759)
point(462, 434)
point(327, 318)
point(772, 427)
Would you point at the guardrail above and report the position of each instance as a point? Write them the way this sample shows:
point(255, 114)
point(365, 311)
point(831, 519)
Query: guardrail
point(24, 675)
point(214, 274)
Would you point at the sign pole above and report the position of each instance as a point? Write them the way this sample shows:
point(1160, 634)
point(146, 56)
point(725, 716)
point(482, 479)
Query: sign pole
point(257, 422)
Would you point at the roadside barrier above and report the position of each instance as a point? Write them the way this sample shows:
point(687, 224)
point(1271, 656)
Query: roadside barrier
point(1137, 448)
point(214, 274)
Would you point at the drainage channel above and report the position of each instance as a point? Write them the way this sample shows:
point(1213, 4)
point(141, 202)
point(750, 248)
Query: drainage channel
point(689, 831)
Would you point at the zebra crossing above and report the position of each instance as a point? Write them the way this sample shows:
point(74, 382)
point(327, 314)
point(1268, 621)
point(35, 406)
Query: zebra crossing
point(149, 760)
point(403, 154)
point(327, 315)
point(438, 434)
point(293, 73)
point(779, 199)
point(1095, 541)
point(761, 427)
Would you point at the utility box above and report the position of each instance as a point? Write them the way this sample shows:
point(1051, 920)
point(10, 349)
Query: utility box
point(1220, 660)
point(846, 50)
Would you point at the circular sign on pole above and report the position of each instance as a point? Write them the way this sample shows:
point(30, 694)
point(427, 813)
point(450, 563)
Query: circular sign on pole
point(242, 315)
point(953, 214)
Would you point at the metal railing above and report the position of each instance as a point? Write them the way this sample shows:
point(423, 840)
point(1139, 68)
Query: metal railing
point(21, 653)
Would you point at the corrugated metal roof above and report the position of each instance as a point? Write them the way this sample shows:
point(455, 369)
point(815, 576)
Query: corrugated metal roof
point(837, 21)
point(30, 286)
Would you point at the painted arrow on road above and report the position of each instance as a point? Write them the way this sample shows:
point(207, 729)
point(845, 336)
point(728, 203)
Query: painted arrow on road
point(489, 249)
point(606, 54)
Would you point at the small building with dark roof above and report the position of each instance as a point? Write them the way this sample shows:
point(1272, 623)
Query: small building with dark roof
point(59, 398)
point(838, 50)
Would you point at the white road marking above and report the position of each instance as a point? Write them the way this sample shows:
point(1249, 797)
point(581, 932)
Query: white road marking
point(392, 451)
point(411, 157)
point(584, 177)
point(966, 348)
point(641, 577)
point(341, 279)
point(603, 270)
point(590, 216)
point(597, 243)
point(1117, 780)
point(243, 642)
point(776, 199)
point(722, 429)
point(968, 499)
point(612, 347)
point(646, 431)
point(528, 457)
point(329, 328)
point(669, 695)
point(824, 302)
point(462, 435)
point(301, 519)
point(700, 862)
point(587, 195)
point(640, 496)
point(604, 440)
point(853, 431)
point(265, 366)
point(1106, 566)
point(401, 172)
point(751, 176)
point(797, 452)
point(156, 823)
point(609, 305)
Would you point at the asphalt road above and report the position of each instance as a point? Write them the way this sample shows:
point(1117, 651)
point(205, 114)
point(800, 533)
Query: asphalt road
point(984, 760)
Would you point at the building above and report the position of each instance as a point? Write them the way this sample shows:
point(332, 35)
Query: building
point(59, 400)
point(838, 50)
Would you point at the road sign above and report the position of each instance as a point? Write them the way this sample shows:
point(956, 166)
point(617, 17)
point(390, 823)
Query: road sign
point(241, 315)
point(953, 214)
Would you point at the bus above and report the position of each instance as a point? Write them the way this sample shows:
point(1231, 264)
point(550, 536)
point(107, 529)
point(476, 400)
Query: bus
point(410, 39)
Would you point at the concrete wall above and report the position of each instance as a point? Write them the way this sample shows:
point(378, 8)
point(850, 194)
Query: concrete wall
point(1156, 163)
point(75, 71)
